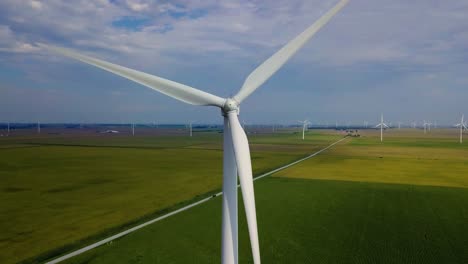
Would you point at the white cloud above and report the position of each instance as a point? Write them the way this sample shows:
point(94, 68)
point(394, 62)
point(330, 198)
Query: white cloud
point(36, 4)
point(366, 31)
point(137, 6)
point(180, 36)
point(9, 43)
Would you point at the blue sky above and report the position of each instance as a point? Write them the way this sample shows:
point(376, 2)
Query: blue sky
point(407, 59)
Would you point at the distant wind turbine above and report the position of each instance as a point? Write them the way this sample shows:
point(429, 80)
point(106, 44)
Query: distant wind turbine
point(462, 125)
point(399, 125)
point(38, 127)
point(304, 123)
point(381, 125)
point(236, 160)
point(190, 127)
point(427, 126)
point(133, 129)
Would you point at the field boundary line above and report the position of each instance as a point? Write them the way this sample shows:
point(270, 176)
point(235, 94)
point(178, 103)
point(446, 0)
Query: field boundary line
point(297, 161)
point(135, 228)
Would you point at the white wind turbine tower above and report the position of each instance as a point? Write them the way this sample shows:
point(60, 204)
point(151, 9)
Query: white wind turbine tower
point(366, 124)
point(399, 125)
point(427, 126)
point(462, 126)
point(38, 127)
point(304, 123)
point(190, 128)
point(381, 125)
point(236, 160)
point(424, 125)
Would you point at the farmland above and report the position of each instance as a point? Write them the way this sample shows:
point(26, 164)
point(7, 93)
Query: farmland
point(61, 191)
point(401, 201)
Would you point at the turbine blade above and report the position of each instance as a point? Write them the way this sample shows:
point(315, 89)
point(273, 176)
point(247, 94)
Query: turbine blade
point(173, 89)
point(244, 169)
point(271, 65)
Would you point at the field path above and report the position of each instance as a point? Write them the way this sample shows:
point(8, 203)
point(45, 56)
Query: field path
point(128, 231)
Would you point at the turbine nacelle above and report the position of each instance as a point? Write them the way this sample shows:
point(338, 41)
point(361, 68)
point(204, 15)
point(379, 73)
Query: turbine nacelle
point(230, 105)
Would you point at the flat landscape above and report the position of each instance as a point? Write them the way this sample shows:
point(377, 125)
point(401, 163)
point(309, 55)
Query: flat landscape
point(410, 205)
point(179, 132)
point(60, 191)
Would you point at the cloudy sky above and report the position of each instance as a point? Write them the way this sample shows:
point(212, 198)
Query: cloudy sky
point(407, 59)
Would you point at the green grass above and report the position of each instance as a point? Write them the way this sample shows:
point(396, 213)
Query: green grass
point(401, 158)
point(401, 201)
point(61, 192)
point(303, 221)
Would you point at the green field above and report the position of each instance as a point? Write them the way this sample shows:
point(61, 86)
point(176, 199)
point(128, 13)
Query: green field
point(401, 201)
point(59, 192)
point(303, 221)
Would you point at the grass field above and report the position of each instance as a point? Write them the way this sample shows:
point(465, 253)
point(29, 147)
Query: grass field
point(59, 192)
point(401, 201)
point(436, 159)
point(304, 221)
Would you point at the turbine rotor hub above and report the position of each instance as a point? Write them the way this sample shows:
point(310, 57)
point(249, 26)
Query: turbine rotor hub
point(230, 105)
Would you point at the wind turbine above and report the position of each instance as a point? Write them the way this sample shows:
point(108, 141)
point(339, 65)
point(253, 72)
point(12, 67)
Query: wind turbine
point(304, 123)
point(133, 129)
point(399, 125)
point(190, 128)
point(425, 124)
point(462, 126)
point(38, 127)
point(366, 124)
point(382, 125)
point(236, 161)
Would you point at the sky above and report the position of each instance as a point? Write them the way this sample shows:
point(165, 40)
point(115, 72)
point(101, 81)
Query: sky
point(405, 59)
